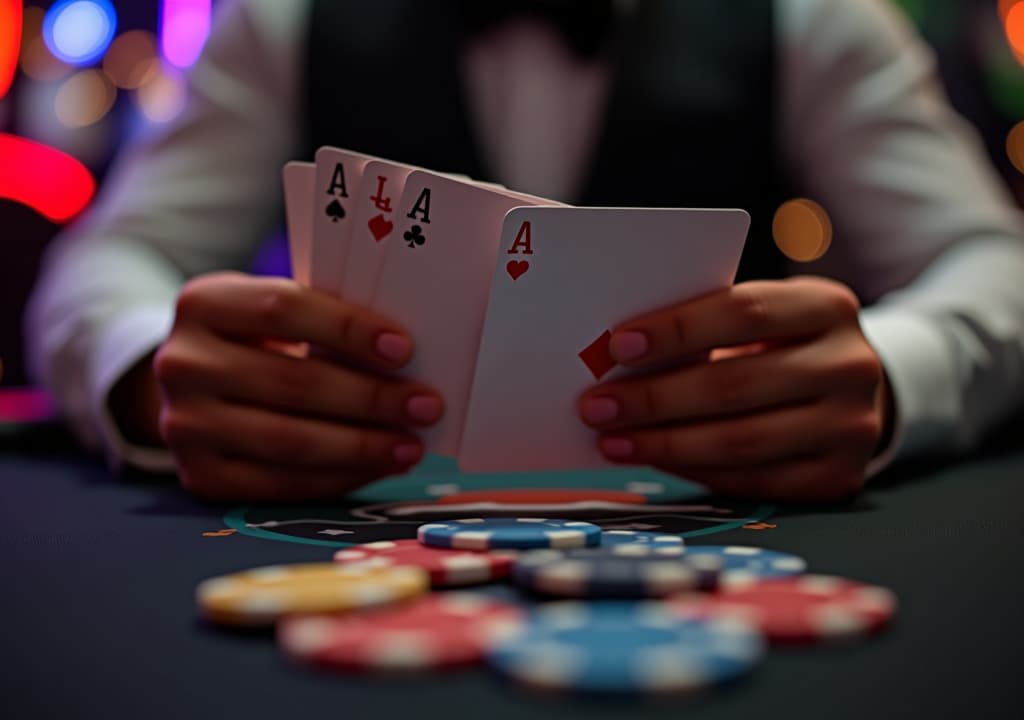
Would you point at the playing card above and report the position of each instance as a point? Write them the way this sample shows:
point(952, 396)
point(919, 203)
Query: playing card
point(299, 184)
point(434, 280)
point(338, 175)
point(563, 278)
point(373, 227)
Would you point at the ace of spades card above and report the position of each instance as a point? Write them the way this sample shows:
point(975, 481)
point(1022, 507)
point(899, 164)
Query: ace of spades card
point(563, 279)
point(338, 175)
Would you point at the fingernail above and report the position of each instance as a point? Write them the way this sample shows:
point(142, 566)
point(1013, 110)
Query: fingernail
point(407, 453)
point(423, 408)
point(617, 448)
point(630, 345)
point(392, 346)
point(600, 410)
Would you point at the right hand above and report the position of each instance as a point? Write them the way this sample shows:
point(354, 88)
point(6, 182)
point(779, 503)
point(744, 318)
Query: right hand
point(249, 420)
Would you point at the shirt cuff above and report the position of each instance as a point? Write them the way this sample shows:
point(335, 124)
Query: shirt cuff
point(124, 341)
point(923, 379)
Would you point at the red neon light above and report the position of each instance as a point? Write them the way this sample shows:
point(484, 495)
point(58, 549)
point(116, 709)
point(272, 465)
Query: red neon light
point(10, 42)
point(52, 183)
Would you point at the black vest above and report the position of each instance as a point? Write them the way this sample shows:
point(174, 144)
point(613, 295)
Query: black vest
point(689, 120)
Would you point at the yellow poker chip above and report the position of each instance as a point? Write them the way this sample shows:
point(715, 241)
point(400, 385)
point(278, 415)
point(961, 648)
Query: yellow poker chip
point(260, 596)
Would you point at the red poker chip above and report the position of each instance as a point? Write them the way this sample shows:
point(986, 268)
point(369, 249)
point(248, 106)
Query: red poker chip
point(434, 631)
point(799, 609)
point(447, 567)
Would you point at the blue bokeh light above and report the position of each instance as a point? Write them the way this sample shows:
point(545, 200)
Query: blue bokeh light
point(79, 31)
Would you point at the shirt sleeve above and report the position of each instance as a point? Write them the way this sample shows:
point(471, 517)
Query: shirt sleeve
point(925, 231)
point(196, 196)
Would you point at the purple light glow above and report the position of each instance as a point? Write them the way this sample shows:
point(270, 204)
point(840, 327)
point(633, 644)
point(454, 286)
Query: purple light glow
point(184, 27)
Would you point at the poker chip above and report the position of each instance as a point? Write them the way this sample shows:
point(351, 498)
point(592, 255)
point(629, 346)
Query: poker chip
point(259, 597)
point(447, 567)
point(509, 533)
point(744, 564)
point(799, 609)
point(434, 631)
point(624, 647)
point(630, 570)
point(640, 537)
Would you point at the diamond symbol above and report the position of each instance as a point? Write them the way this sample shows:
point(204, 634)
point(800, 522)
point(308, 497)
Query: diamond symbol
point(597, 357)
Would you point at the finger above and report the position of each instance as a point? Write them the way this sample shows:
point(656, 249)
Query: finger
point(308, 385)
point(808, 479)
point(741, 441)
point(740, 315)
point(257, 434)
point(218, 478)
point(241, 306)
point(783, 375)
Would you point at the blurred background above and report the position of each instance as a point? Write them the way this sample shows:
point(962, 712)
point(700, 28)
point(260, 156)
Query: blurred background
point(79, 78)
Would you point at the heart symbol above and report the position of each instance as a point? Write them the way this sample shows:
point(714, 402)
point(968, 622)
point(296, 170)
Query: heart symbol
point(380, 228)
point(517, 268)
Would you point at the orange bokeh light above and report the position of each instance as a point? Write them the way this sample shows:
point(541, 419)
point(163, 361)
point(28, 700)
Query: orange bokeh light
point(1014, 25)
point(802, 230)
point(1015, 146)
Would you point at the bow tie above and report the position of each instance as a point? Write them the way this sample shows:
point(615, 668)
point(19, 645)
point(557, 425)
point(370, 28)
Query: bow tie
point(583, 24)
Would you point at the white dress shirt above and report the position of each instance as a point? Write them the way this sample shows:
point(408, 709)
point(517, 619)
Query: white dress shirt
point(928, 234)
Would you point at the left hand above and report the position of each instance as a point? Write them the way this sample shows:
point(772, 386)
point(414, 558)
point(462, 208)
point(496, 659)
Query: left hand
point(765, 390)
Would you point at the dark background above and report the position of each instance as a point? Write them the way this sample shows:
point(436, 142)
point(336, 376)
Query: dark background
point(983, 77)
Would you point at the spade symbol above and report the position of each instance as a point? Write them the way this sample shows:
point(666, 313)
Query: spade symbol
point(335, 211)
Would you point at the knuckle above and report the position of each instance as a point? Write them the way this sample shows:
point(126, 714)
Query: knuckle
point(862, 368)
point(278, 304)
point(170, 362)
point(191, 300)
point(842, 299)
point(750, 305)
point(176, 427)
point(865, 429)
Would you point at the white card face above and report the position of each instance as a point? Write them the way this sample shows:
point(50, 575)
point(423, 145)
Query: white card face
point(563, 278)
point(434, 280)
point(338, 173)
point(373, 227)
point(299, 184)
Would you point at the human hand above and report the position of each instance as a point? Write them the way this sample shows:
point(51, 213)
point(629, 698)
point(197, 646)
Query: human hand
point(250, 419)
point(765, 390)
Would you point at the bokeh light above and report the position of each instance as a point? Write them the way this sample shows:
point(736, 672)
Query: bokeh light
point(130, 62)
point(36, 59)
point(162, 98)
point(184, 27)
point(802, 230)
point(84, 98)
point(10, 41)
point(52, 183)
point(80, 31)
point(1014, 24)
point(1015, 146)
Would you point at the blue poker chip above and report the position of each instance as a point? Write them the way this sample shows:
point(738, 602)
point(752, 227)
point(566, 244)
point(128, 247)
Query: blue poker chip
point(625, 648)
point(616, 571)
point(509, 533)
point(640, 537)
point(744, 564)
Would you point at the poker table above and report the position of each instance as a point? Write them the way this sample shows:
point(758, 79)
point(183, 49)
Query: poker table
point(99, 572)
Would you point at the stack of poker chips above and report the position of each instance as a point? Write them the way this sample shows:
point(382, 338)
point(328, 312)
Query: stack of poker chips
point(600, 611)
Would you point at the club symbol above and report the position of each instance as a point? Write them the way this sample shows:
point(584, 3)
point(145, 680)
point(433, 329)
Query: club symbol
point(335, 211)
point(414, 236)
